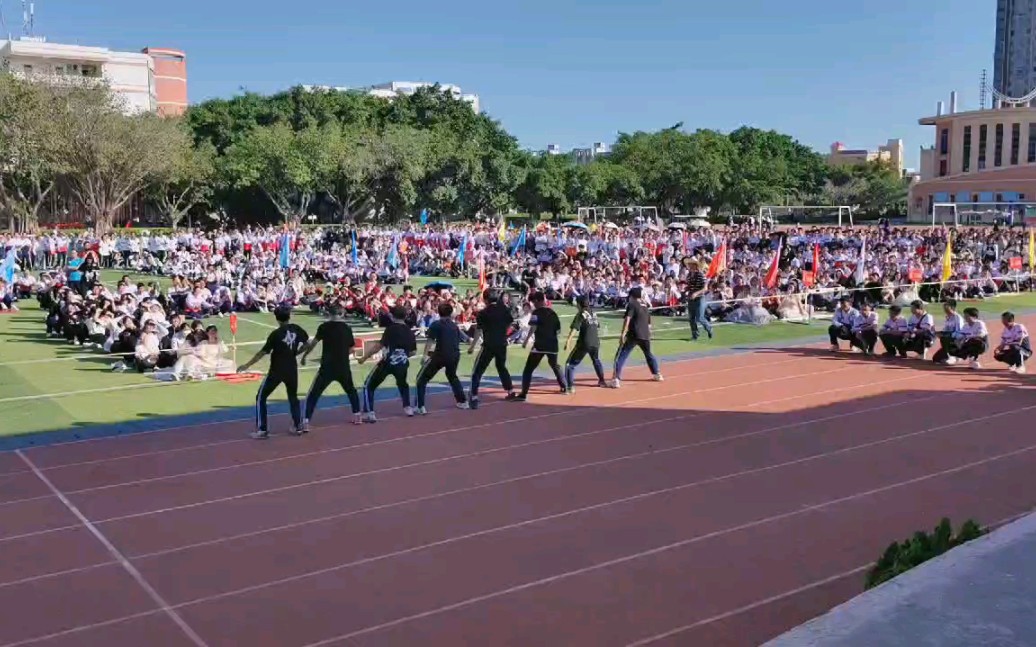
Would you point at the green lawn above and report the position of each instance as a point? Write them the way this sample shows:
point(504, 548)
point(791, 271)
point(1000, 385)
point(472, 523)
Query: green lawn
point(50, 385)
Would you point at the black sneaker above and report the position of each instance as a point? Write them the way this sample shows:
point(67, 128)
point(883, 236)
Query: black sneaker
point(515, 397)
point(473, 403)
point(564, 390)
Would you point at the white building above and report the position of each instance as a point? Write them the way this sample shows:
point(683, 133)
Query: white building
point(587, 155)
point(393, 89)
point(129, 74)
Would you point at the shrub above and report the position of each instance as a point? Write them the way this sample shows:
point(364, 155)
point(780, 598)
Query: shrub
point(900, 557)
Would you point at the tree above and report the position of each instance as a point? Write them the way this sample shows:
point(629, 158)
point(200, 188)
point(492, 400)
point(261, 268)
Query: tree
point(545, 188)
point(772, 168)
point(187, 183)
point(110, 157)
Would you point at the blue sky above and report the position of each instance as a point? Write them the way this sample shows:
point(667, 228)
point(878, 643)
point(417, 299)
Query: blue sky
point(573, 72)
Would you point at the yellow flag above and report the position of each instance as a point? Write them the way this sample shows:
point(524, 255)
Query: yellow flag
point(502, 233)
point(1032, 250)
point(947, 260)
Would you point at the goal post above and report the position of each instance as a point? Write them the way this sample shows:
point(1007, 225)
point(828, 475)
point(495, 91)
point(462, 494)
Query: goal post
point(624, 215)
point(808, 214)
point(983, 213)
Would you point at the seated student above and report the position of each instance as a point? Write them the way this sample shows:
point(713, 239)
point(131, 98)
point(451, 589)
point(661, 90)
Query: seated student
point(893, 333)
point(920, 334)
point(971, 340)
point(842, 326)
point(949, 335)
point(865, 329)
point(1015, 346)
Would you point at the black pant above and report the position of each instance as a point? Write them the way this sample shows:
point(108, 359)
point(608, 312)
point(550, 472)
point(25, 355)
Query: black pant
point(575, 358)
point(918, 342)
point(267, 387)
point(378, 375)
point(836, 332)
point(894, 345)
point(865, 340)
point(431, 368)
point(499, 357)
point(534, 359)
point(1012, 355)
point(325, 376)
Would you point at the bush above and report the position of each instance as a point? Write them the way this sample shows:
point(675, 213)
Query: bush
point(903, 556)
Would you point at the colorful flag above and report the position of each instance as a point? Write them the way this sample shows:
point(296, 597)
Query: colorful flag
point(9, 266)
point(774, 272)
point(502, 232)
point(719, 262)
point(393, 255)
point(356, 251)
point(462, 252)
point(1032, 250)
point(861, 265)
point(519, 244)
point(947, 260)
point(285, 250)
point(481, 274)
point(424, 216)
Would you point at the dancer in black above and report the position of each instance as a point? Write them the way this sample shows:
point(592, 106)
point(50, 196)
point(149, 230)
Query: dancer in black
point(283, 345)
point(442, 352)
point(544, 327)
point(586, 329)
point(636, 333)
point(493, 324)
point(399, 345)
point(334, 364)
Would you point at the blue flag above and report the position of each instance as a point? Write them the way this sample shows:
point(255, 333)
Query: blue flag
point(393, 255)
point(424, 216)
point(520, 243)
point(285, 250)
point(462, 251)
point(356, 252)
point(9, 265)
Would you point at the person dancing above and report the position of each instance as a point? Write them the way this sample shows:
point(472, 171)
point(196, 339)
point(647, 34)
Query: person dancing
point(334, 364)
point(544, 327)
point(493, 325)
point(442, 353)
point(283, 344)
point(399, 345)
point(636, 333)
point(586, 330)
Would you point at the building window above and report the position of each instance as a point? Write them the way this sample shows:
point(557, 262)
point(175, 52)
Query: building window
point(966, 157)
point(998, 146)
point(942, 168)
point(983, 136)
point(1031, 157)
point(1016, 142)
point(944, 141)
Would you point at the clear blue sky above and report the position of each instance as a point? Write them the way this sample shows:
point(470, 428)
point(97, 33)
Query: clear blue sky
point(576, 71)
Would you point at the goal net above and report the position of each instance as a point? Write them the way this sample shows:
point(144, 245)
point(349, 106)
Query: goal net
point(618, 215)
point(807, 215)
point(984, 213)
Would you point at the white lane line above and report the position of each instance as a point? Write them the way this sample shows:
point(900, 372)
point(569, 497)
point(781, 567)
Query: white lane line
point(119, 557)
point(398, 468)
point(682, 543)
point(661, 549)
point(498, 423)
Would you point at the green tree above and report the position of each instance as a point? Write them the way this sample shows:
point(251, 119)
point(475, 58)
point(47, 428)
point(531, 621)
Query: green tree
point(545, 189)
point(187, 183)
point(772, 168)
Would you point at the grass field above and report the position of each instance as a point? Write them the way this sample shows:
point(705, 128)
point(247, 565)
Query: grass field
point(49, 385)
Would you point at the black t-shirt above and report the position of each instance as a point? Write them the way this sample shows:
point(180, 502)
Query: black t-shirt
point(640, 320)
point(398, 343)
point(589, 329)
point(547, 327)
point(339, 342)
point(447, 337)
point(495, 322)
point(283, 345)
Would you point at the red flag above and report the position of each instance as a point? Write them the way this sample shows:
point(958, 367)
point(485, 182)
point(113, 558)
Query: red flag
point(129, 224)
point(233, 323)
point(816, 259)
point(481, 275)
point(774, 272)
point(719, 262)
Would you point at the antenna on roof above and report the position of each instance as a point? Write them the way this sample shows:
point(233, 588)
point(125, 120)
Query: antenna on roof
point(983, 84)
point(28, 18)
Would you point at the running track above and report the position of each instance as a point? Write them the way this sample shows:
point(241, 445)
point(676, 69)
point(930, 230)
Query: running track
point(742, 496)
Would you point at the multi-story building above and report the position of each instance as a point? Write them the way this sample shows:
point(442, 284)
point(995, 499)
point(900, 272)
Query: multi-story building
point(587, 155)
point(153, 80)
point(891, 153)
point(393, 89)
point(1014, 57)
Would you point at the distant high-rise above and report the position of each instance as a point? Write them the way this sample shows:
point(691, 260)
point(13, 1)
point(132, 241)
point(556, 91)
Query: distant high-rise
point(1014, 58)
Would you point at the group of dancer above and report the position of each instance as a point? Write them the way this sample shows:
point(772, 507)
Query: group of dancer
point(963, 338)
point(290, 345)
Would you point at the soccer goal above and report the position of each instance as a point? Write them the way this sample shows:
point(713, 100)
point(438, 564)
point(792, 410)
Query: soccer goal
point(808, 214)
point(618, 215)
point(984, 213)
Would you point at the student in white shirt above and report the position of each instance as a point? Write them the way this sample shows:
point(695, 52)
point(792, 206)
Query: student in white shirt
point(865, 329)
point(893, 333)
point(920, 335)
point(842, 326)
point(971, 341)
point(1015, 346)
point(949, 335)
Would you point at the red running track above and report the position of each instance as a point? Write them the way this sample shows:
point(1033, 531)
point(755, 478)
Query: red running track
point(742, 496)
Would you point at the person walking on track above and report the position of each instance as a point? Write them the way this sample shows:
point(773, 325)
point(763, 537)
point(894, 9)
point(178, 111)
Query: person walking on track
point(586, 330)
point(399, 345)
point(282, 345)
point(697, 288)
point(493, 324)
point(338, 340)
point(442, 353)
point(544, 327)
point(636, 332)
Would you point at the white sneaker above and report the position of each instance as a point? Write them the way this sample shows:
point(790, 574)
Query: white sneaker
point(421, 411)
point(975, 364)
point(305, 427)
point(658, 378)
point(408, 412)
point(924, 354)
point(1020, 369)
point(463, 406)
point(950, 361)
point(370, 418)
point(259, 434)
point(616, 383)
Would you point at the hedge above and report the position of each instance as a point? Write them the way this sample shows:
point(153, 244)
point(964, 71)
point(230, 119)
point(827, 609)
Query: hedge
point(900, 557)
